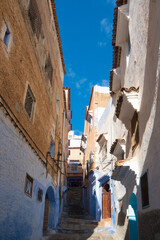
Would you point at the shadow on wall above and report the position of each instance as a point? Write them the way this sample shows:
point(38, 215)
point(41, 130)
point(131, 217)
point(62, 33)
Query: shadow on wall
point(149, 219)
point(97, 213)
point(124, 174)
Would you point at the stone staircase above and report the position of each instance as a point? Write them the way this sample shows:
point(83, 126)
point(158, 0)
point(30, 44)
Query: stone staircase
point(75, 224)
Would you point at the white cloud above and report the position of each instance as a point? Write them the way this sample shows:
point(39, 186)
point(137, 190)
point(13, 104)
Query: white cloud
point(101, 44)
point(105, 26)
point(80, 82)
point(77, 132)
point(104, 83)
point(83, 80)
point(78, 85)
point(71, 73)
point(111, 2)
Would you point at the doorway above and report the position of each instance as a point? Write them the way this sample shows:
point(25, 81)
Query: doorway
point(106, 201)
point(49, 210)
point(132, 214)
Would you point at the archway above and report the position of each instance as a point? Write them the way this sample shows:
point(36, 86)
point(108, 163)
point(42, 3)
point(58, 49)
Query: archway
point(133, 224)
point(49, 209)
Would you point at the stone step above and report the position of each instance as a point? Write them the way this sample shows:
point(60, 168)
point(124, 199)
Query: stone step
point(79, 216)
point(75, 236)
point(61, 236)
point(77, 227)
point(79, 220)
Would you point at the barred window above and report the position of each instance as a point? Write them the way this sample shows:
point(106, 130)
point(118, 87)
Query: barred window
point(34, 17)
point(29, 102)
point(28, 185)
point(48, 68)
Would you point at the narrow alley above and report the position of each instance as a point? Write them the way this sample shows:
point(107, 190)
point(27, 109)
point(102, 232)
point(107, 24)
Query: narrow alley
point(76, 224)
point(79, 119)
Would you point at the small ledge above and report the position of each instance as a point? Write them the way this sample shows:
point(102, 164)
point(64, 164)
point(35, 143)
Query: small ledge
point(122, 25)
point(127, 104)
point(118, 148)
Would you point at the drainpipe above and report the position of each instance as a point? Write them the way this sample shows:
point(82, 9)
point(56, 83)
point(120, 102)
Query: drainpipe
point(63, 129)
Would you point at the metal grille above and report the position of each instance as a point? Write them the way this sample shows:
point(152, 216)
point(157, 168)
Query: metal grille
point(29, 102)
point(34, 17)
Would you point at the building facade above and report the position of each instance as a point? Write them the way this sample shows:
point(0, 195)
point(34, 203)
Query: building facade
point(91, 165)
point(133, 144)
point(75, 159)
point(32, 129)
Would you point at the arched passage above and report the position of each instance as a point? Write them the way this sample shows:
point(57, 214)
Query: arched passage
point(133, 224)
point(49, 209)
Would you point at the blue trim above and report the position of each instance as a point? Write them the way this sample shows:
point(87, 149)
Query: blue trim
point(90, 173)
point(104, 179)
point(133, 221)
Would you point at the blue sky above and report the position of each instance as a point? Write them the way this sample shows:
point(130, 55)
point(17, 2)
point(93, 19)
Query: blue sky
point(86, 35)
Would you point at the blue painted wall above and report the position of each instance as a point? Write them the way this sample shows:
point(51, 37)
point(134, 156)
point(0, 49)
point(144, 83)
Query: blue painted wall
point(93, 198)
point(21, 217)
point(95, 195)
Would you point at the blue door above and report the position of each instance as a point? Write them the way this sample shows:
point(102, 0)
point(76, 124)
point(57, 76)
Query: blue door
point(133, 224)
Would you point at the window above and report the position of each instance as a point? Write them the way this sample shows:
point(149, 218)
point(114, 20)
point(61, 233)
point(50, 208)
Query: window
point(134, 131)
point(40, 195)
point(144, 190)
point(29, 103)
point(34, 17)
point(52, 147)
point(42, 38)
point(48, 68)
point(28, 185)
point(57, 101)
point(74, 167)
point(7, 36)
